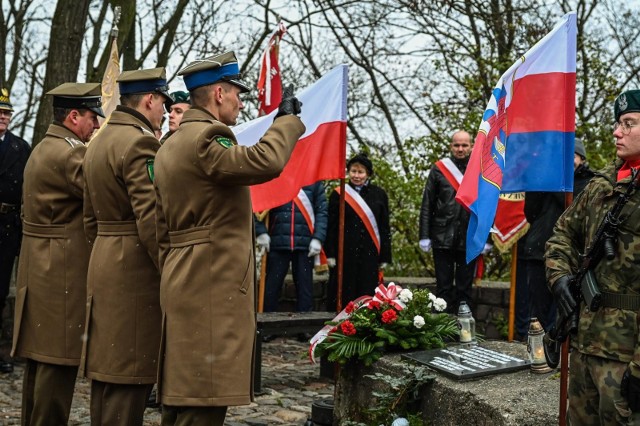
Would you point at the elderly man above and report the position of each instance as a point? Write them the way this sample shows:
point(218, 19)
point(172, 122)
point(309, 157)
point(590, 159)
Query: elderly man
point(604, 383)
point(206, 237)
point(123, 297)
point(52, 271)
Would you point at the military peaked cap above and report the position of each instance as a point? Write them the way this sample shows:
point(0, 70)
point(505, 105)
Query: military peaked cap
point(78, 96)
point(5, 102)
point(628, 101)
point(213, 69)
point(152, 80)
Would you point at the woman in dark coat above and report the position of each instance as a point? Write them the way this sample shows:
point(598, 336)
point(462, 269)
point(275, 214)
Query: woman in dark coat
point(367, 242)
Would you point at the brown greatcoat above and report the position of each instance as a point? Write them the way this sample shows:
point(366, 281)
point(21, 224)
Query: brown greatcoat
point(123, 294)
point(52, 270)
point(206, 237)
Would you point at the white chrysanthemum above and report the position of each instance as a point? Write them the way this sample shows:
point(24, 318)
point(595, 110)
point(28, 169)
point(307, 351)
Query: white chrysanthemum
point(432, 297)
point(405, 296)
point(418, 321)
point(439, 304)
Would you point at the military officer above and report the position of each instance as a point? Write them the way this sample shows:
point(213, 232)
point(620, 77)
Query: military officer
point(123, 301)
point(607, 346)
point(52, 270)
point(206, 237)
point(14, 152)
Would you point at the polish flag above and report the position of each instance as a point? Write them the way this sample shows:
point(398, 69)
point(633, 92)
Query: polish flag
point(269, 81)
point(320, 152)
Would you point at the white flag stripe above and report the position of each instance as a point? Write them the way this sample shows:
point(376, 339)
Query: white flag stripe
point(315, 108)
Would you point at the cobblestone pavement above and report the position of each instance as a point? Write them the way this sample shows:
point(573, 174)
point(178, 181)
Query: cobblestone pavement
point(290, 384)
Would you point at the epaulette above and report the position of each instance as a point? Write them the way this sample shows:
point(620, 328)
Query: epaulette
point(73, 142)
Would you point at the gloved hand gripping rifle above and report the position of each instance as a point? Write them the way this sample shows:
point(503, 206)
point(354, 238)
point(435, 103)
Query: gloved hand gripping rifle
point(583, 285)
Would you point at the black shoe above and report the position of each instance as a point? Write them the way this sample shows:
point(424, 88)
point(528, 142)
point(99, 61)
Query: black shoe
point(6, 367)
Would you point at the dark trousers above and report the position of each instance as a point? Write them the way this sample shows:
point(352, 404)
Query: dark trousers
point(543, 306)
point(117, 404)
point(523, 305)
point(47, 392)
point(302, 271)
point(451, 265)
point(193, 416)
point(10, 237)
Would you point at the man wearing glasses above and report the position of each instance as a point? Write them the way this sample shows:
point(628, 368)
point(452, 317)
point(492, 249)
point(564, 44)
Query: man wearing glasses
point(14, 153)
point(604, 384)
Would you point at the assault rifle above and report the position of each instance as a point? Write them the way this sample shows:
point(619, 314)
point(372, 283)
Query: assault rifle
point(583, 285)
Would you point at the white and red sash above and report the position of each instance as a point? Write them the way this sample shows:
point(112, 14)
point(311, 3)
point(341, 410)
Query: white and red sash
point(306, 208)
point(357, 203)
point(450, 171)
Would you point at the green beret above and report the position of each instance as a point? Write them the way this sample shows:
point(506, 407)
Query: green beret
point(180, 97)
point(628, 101)
point(78, 96)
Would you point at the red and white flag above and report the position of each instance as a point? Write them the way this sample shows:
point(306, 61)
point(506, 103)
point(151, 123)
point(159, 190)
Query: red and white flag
point(320, 152)
point(269, 81)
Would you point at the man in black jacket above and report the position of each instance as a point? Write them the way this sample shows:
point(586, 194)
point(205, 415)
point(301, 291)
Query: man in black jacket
point(14, 153)
point(542, 210)
point(443, 225)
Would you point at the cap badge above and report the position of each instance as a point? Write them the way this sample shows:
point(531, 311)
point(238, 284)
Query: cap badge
point(622, 102)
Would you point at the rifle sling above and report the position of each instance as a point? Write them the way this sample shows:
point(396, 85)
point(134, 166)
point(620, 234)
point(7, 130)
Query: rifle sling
point(628, 302)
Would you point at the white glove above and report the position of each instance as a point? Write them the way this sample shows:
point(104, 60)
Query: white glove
point(314, 247)
point(425, 245)
point(382, 266)
point(263, 241)
point(331, 261)
point(487, 248)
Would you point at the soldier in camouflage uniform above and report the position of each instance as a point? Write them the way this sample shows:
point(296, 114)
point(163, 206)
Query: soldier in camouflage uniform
point(606, 347)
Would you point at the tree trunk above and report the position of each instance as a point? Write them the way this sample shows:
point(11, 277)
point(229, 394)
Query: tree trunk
point(65, 47)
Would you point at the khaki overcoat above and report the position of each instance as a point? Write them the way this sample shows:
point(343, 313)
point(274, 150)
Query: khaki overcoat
point(206, 237)
point(52, 270)
point(123, 294)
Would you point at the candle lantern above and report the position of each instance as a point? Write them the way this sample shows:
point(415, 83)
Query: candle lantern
point(535, 347)
point(466, 324)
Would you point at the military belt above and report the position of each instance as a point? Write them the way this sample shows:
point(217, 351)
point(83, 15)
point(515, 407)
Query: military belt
point(8, 208)
point(117, 228)
point(628, 302)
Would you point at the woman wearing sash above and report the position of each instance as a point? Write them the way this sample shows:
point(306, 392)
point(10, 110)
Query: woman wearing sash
point(367, 237)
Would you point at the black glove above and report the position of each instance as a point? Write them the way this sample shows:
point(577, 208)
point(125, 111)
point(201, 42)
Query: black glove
point(630, 390)
point(562, 294)
point(290, 104)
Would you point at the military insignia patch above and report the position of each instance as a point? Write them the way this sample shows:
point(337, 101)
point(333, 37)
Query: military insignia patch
point(73, 142)
point(622, 102)
point(150, 171)
point(225, 142)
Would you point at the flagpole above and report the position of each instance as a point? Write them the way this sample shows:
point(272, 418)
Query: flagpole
point(512, 290)
point(340, 245)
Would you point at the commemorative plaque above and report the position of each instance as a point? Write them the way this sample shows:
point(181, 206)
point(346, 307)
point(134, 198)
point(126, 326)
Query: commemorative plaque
point(468, 361)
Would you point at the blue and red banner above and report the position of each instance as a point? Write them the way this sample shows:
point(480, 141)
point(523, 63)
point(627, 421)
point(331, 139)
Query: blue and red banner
point(525, 140)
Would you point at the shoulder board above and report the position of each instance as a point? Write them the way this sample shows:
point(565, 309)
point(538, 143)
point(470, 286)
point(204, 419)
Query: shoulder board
point(73, 142)
point(225, 142)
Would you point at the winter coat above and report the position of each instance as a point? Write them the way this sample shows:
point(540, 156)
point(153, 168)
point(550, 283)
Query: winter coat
point(288, 228)
point(52, 269)
point(361, 258)
point(123, 283)
point(442, 219)
point(206, 236)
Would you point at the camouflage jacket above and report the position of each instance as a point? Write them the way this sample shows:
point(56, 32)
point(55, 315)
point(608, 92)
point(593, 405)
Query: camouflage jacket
point(609, 332)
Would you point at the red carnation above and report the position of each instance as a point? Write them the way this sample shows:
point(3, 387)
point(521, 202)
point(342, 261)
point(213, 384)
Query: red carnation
point(389, 316)
point(348, 328)
point(350, 307)
point(373, 305)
